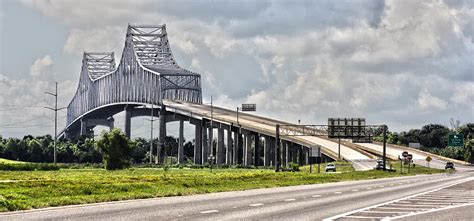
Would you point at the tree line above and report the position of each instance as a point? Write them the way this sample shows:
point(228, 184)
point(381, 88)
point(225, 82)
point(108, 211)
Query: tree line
point(83, 149)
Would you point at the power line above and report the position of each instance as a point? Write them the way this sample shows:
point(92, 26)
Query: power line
point(13, 124)
point(34, 125)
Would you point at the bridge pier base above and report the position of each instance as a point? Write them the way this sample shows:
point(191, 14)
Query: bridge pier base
point(248, 148)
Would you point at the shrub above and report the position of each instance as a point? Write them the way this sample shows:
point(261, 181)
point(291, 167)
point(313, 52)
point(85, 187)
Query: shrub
point(116, 149)
point(294, 167)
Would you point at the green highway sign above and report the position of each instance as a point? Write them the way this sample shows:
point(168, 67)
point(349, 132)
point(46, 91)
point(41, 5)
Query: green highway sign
point(456, 140)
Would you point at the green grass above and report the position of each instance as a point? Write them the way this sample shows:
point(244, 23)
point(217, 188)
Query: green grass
point(35, 189)
point(7, 161)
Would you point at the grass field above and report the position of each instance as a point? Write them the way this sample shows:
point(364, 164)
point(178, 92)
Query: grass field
point(7, 161)
point(35, 189)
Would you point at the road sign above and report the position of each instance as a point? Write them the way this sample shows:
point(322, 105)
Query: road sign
point(346, 128)
point(456, 140)
point(409, 156)
point(405, 154)
point(249, 107)
point(428, 159)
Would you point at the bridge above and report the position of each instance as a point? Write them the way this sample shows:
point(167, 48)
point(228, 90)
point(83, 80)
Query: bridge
point(149, 82)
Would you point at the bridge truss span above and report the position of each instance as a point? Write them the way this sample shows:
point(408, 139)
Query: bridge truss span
point(147, 73)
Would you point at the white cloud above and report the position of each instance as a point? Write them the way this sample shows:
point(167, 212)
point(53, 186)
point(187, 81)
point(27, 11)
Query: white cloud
point(429, 102)
point(41, 67)
point(396, 62)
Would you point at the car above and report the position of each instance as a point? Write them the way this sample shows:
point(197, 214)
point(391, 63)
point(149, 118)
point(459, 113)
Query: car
point(449, 165)
point(379, 165)
point(330, 167)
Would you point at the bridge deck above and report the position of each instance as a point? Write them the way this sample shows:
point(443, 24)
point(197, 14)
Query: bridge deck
point(360, 160)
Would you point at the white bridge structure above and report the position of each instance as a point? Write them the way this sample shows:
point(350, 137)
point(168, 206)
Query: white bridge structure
point(148, 81)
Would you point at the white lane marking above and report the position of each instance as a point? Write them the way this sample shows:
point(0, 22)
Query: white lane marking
point(288, 200)
point(315, 196)
point(210, 211)
point(368, 188)
point(337, 192)
point(393, 201)
point(256, 204)
point(428, 211)
point(355, 190)
point(381, 186)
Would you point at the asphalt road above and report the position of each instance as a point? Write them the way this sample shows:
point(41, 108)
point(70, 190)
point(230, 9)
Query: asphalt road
point(309, 202)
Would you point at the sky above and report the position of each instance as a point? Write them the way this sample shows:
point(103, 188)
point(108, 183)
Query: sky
point(403, 63)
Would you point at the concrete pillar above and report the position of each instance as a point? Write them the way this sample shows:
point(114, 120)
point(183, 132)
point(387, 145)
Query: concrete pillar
point(205, 144)
point(198, 143)
point(180, 143)
point(210, 140)
point(287, 153)
point(160, 156)
point(128, 122)
point(111, 121)
point(256, 150)
point(237, 147)
point(248, 149)
point(220, 155)
point(266, 151)
point(229, 150)
point(83, 127)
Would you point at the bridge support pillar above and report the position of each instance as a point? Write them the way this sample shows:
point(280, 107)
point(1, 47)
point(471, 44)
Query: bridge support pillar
point(256, 150)
point(266, 152)
point(248, 149)
point(220, 155)
point(128, 122)
point(180, 144)
point(198, 143)
point(160, 156)
point(285, 153)
point(229, 150)
point(111, 121)
point(211, 141)
point(205, 144)
point(237, 147)
point(83, 127)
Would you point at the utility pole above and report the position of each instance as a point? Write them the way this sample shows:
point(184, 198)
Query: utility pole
point(211, 143)
point(55, 109)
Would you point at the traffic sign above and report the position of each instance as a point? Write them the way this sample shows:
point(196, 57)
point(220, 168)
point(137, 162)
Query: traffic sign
point(428, 159)
point(409, 156)
point(405, 154)
point(456, 140)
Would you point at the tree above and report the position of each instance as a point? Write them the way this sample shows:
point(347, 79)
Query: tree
point(115, 148)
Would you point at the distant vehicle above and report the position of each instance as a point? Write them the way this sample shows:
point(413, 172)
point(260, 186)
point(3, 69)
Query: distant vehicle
point(330, 167)
point(449, 165)
point(379, 165)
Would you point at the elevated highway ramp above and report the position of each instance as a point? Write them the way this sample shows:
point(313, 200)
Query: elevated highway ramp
point(361, 160)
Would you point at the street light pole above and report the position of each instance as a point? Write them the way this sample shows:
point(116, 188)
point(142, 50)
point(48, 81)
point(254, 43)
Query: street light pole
point(237, 115)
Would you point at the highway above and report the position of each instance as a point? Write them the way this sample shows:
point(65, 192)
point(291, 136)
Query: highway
point(419, 157)
point(331, 201)
point(360, 159)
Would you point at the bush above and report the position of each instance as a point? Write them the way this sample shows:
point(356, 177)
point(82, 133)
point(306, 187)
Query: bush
point(116, 149)
point(294, 167)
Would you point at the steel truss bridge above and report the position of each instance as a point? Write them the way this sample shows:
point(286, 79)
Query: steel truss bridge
point(148, 81)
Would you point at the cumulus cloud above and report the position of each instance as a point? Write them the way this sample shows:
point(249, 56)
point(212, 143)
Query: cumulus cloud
point(404, 63)
point(24, 99)
point(41, 67)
